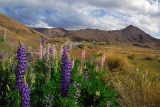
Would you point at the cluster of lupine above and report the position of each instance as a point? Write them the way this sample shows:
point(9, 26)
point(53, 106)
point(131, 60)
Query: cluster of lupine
point(65, 73)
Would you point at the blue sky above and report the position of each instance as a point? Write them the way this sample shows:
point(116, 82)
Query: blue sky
point(80, 14)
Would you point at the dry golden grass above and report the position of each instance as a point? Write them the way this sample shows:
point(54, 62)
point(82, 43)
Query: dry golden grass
point(131, 56)
point(117, 62)
point(137, 90)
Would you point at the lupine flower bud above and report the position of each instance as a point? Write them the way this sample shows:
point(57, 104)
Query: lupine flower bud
point(29, 48)
point(48, 100)
point(70, 47)
point(143, 77)
point(50, 49)
point(11, 39)
point(40, 52)
point(43, 41)
point(86, 75)
point(85, 66)
point(22, 61)
point(77, 90)
point(25, 95)
point(103, 61)
point(61, 51)
point(65, 74)
point(83, 55)
point(80, 72)
point(137, 70)
point(54, 51)
point(146, 72)
point(48, 52)
point(73, 61)
point(96, 66)
point(31, 56)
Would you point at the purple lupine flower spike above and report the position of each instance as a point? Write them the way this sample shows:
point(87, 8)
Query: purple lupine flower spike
point(86, 75)
point(48, 52)
point(22, 64)
point(25, 95)
point(43, 41)
point(31, 56)
point(65, 74)
point(40, 52)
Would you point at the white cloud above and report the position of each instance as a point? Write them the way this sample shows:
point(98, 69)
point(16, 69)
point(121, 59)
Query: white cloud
point(77, 14)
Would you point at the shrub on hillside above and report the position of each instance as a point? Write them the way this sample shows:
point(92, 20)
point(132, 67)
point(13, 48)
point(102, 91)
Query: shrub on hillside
point(81, 46)
point(117, 63)
point(148, 58)
point(131, 56)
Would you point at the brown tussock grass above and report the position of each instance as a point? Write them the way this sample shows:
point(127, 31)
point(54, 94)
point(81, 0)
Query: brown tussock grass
point(137, 91)
point(117, 62)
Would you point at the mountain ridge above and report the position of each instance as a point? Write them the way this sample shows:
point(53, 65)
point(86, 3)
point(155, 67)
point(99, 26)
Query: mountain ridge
point(130, 34)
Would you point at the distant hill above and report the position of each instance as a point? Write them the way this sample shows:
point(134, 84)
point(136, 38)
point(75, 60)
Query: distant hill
point(14, 29)
point(17, 30)
point(129, 35)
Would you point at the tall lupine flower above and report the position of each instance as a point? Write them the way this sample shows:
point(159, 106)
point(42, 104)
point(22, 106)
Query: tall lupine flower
point(11, 39)
point(25, 95)
point(80, 72)
point(65, 74)
point(40, 52)
point(54, 51)
point(61, 51)
point(146, 73)
point(83, 55)
point(29, 48)
point(50, 49)
point(70, 47)
point(31, 56)
point(22, 64)
point(96, 66)
point(43, 41)
point(48, 52)
point(86, 75)
point(73, 61)
point(103, 61)
point(137, 71)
